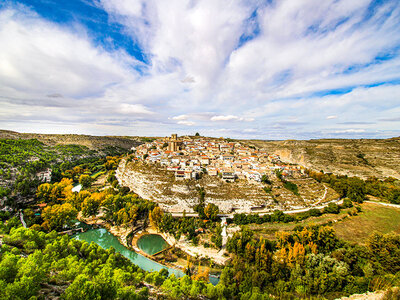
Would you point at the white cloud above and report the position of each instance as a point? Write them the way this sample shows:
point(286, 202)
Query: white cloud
point(39, 58)
point(198, 73)
point(181, 117)
point(350, 131)
point(125, 108)
point(230, 118)
point(225, 118)
point(187, 123)
point(251, 130)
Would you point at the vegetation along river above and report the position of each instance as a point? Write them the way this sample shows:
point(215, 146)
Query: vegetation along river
point(106, 240)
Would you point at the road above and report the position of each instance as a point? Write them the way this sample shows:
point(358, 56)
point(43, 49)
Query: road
point(323, 197)
point(293, 211)
point(384, 204)
point(21, 217)
point(262, 213)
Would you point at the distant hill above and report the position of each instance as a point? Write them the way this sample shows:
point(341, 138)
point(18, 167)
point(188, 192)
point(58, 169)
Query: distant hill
point(353, 157)
point(92, 142)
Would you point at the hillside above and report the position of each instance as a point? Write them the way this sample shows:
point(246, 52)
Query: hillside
point(160, 185)
point(363, 157)
point(92, 142)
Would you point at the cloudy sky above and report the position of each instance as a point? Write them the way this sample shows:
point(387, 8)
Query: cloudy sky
point(244, 69)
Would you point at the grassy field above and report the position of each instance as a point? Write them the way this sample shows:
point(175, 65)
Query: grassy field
point(268, 230)
point(374, 217)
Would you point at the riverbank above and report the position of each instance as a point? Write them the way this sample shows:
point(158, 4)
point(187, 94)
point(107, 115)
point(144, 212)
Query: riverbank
point(217, 256)
point(118, 231)
point(122, 233)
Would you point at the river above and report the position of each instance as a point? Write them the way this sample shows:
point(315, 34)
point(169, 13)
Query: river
point(106, 240)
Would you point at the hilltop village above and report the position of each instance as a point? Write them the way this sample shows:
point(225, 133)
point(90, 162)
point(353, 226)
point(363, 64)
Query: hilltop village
point(188, 157)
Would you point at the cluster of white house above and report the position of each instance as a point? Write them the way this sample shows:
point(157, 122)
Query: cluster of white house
point(229, 160)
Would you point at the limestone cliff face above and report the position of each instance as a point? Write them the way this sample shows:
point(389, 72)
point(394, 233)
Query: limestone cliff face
point(361, 158)
point(159, 185)
point(156, 184)
point(92, 142)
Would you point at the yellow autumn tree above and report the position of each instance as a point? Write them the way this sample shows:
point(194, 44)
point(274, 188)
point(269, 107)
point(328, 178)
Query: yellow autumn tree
point(156, 216)
point(203, 274)
point(56, 192)
point(282, 238)
point(56, 216)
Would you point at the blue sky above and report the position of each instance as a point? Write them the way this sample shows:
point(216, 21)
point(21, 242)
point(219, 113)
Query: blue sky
point(243, 69)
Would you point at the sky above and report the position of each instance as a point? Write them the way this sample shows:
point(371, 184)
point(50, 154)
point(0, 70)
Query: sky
point(271, 70)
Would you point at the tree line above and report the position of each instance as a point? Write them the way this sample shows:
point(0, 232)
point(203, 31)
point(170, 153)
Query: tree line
point(309, 261)
point(356, 188)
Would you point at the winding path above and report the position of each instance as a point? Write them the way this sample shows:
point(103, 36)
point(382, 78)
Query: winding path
point(21, 217)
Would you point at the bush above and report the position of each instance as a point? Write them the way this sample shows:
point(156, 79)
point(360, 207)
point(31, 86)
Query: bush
point(267, 189)
point(346, 203)
point(265, 179)
point(291, 187)
point(332, 208)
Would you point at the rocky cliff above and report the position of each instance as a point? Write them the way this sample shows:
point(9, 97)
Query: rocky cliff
point(154, 183)
point(363, 158)
point(92, 142)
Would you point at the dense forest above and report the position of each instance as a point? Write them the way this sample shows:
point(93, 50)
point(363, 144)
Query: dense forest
point(22, 160)
point(308, 262)
point(35, 265)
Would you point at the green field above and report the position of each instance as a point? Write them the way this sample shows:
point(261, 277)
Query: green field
point(268, 230)
point(374, 217)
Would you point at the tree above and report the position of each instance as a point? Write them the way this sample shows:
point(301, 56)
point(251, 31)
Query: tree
point(77, 199)
point(265, 179)
point(56, 192)
point(197, 134)
point(57, 216)
point(211, 211)
point(156, 215)
point(199, 208)
point(90, 207)
point(111, 177)
point(332, 208)
point(85, 181)
point(278, 174)
point(82, 289)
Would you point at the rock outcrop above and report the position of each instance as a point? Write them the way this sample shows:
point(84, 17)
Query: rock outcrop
point(159, 185)
point(362, 158)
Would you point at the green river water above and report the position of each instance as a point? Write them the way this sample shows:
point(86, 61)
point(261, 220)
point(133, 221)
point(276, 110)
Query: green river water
point(152, 243)
point(148, 243)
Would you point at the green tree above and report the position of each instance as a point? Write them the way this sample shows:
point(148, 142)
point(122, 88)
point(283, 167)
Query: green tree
point(57, 216)
point(265, 179)
point(156, 216)
point(90, 207)
point(211, 211)
point(85, 181)
point(82, 288)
